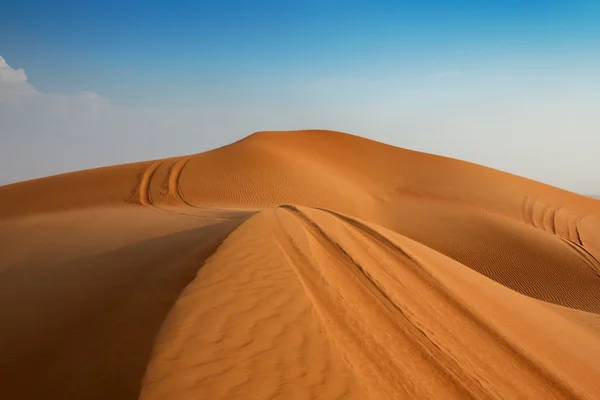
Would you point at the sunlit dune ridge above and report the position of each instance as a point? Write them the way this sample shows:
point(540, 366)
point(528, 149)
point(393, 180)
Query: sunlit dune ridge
point(298, 265)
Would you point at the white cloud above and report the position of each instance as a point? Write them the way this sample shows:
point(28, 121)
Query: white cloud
point(24, 110)
point(46, 133)
point(10, 75)
point(13, 84)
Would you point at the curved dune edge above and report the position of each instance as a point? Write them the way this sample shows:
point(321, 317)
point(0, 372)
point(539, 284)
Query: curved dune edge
point(345, 268)
point(81, 322)
point(334, 304)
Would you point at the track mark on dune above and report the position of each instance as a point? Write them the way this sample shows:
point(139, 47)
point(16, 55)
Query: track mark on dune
point(379, 239)
point(395, 319)
point(144, 188)
point(552, 219)
point(539, 215)
point(577, 236)
point(174, 181)
point(445, 360)
point(142, 194)
point(585, 255)
point(527, 211)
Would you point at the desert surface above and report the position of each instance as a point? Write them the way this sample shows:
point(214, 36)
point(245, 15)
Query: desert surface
point(298, 265)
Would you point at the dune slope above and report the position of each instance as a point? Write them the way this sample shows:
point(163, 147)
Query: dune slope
point(298, 265)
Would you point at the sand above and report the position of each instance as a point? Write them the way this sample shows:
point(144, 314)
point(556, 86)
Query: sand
point(298, 265)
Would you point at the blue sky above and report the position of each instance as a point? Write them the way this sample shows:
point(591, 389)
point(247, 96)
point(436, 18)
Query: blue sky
point(125, 48)
point(370, 67)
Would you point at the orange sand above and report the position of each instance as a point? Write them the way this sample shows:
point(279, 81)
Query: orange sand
point(298, 265)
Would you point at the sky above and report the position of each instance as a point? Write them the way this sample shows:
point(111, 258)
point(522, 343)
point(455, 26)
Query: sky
point(513, 85)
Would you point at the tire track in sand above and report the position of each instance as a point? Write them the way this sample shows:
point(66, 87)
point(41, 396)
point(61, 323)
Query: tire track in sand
point(462, 308)
point(174, 181)
point(585, 255)
point(414, 331)
point(369, 356)
point(548, 217)
point(142, 193)
point(144, 186)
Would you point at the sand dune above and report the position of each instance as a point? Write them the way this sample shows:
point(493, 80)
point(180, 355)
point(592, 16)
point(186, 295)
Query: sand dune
point(298, 265)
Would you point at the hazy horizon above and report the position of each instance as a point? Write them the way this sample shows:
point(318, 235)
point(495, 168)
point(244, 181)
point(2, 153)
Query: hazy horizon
point(507, 85)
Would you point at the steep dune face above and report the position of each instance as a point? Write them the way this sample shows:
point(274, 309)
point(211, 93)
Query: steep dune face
point(306, 264)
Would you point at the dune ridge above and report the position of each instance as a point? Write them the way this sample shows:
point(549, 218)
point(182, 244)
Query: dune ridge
point(298, 265)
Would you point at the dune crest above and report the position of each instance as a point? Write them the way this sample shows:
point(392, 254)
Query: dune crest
point(298, 265)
